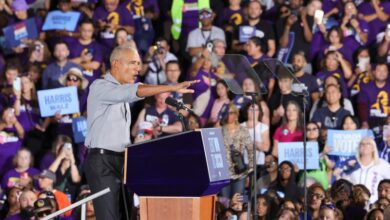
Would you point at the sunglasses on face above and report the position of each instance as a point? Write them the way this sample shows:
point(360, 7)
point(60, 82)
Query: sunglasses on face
point(73, 79)
point(204, 16)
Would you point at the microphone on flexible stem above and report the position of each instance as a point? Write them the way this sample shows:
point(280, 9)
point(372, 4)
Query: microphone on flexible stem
point(178, 105)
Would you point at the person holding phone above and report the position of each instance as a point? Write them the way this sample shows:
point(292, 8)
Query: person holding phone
point(66, 170)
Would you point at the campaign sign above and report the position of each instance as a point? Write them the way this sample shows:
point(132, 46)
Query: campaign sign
point(293, 152)
point(58, 20)
point(246, 32)
point(345, 143)
point(80, 128)
point(63, 100)
point(16, 32)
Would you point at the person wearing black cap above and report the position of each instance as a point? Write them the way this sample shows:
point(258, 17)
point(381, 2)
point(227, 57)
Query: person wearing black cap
point(42, 208)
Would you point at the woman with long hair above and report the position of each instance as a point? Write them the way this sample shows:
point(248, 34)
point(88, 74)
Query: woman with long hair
point(222, 98)
point(291, 129)
point(261, 137)
point(286, 182)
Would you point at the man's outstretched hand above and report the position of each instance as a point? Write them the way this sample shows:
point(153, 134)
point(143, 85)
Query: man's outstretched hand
point(183, 87)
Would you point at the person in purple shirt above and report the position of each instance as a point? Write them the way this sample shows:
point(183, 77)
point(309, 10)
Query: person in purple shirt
point(86, 52)
point(22, 174)
point(58, 68)
point(332, 8)
point(109, 17)
point(26, 105)
point(335, 64)
point(139, 8)
point(63, 35)
point(230, 18)
point(204, 91)
point(335, 41)
point(20, 8)
point(355, 30)
point(376, 14)
point(50, 156)
point(373, 99)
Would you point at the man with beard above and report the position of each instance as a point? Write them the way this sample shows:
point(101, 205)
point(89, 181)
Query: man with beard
point(263, 30)
point(373, 100)
point(311, 82)
point(26, 200)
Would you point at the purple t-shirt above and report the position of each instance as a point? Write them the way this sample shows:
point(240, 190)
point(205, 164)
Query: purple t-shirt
point(94, 48)
point(376, 26)
point(377, 100)
point(203, 86)
point(137, 7)
point(351, 38)
point(12, 177)
point(14, 217)
point(344, 50)
point(121, 16)
point(190, 18)
point(232, 17)
point(328, 5)
point(7, 151)
point(338, 73)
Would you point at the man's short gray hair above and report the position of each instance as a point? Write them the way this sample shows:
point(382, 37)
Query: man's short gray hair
point(117, 52)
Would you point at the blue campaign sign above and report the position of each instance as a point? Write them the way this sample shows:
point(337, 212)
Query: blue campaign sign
point(15, 33)
point(345, 143)
point(63, 100)
point(293, 152)
point(58, 20)
point(80, 129)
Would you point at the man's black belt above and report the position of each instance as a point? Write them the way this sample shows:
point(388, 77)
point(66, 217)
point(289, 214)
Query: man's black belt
point(105, 152)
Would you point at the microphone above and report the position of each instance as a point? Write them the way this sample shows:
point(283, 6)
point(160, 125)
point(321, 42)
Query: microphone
point(177, 104)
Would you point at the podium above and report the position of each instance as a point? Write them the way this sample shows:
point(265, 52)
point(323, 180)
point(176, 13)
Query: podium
point(178, 176)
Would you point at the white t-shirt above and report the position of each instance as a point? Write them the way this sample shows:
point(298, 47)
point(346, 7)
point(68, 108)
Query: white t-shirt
point(198, 38)
point(260, 128)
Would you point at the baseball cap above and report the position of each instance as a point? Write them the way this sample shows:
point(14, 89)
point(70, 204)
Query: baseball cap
point(205, 10)
point(48, 174)
point(19, 5)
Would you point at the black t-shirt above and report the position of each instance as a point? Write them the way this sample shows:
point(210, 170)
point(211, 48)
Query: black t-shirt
point(300, 44)
point(267, 30)
point(328, 119)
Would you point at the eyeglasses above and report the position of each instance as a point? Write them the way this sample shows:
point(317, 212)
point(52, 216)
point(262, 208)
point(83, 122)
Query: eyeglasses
point(287, 170)
point(231, 113)
point(317, 196)
point(73, 79)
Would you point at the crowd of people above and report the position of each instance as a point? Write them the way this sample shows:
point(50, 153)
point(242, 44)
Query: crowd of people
point(342, 60)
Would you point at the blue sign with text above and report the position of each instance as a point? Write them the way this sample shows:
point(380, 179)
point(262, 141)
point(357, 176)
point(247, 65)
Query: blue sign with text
point(62, 100)
point(293, 152)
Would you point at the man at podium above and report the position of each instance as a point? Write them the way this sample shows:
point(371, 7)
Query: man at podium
point(109, 120)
